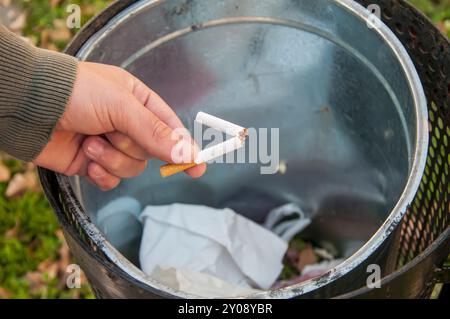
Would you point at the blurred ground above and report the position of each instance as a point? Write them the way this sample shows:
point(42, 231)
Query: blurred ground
point(33, 253)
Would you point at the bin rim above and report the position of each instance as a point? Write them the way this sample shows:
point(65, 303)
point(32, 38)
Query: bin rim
point(442, 240)
point(94, 31)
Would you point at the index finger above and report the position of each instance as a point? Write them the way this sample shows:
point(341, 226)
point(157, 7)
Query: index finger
point(160, 108)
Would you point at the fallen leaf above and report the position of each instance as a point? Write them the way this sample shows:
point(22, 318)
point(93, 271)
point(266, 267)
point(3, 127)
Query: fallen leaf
point(5, 173)
point(50, 267)
point(5, 3)
point(20, 183)
point(54, 3)
point(59, 23)
point(64, 259)
point(36, 282)
point(18, 22)
point(60, 32)
point(306, 256)
point(4, 294)
point(64, 256)
point(11, 17)
point(45, 38)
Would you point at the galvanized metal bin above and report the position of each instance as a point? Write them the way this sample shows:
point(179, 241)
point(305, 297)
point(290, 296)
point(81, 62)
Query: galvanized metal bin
point(383, 189)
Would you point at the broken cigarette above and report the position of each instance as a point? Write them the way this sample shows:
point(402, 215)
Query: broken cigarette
point(219, 124)
point(220, 149)
point(210, 153)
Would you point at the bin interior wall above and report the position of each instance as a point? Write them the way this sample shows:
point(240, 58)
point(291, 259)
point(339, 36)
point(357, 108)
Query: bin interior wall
point(334, 89)
point(430, 52)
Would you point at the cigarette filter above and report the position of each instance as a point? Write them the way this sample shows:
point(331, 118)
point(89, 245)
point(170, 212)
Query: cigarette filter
point(172, 169)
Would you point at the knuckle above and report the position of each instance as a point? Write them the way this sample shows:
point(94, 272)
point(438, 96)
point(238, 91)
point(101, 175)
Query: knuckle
point(160, 130)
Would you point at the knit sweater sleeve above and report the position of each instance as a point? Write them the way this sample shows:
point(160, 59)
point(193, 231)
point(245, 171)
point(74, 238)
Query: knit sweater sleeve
point(35, 86)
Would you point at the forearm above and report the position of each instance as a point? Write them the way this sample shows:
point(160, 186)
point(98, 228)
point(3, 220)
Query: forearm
point(35, 86)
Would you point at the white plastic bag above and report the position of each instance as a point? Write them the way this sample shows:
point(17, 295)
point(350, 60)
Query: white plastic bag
point(200, 284)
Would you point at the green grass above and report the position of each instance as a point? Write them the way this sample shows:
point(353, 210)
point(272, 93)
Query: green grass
point(34, 241)
point(437, 10)
point(28, 226)
point(28, 237)
point(42, 16)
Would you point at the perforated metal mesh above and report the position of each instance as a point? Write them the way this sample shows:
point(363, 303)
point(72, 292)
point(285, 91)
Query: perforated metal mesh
point(429, 214)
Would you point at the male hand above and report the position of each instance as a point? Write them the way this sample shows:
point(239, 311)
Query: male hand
point(112, 125)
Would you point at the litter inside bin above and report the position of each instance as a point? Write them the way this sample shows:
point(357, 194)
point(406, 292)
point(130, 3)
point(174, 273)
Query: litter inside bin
point(287, 221)
point(308, 272)
point(212, 241)
point(304, 260)
point(215, 253)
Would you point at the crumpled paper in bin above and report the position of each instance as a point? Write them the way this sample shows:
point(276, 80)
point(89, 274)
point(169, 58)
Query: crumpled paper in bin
point(211, 241)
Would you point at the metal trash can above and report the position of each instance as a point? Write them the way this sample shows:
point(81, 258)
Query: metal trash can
point(367, 155)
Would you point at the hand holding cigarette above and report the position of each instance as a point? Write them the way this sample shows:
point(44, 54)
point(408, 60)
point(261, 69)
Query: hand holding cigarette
point(112, 125)
point(239, 134)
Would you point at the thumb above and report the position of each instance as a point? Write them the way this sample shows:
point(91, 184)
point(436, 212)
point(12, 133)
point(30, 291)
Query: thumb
point(131, 118)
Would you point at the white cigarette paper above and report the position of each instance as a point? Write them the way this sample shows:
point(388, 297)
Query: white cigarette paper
point(220, 149)
point(219, 124)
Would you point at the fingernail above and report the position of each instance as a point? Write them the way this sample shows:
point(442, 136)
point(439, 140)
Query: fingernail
point(94, 149)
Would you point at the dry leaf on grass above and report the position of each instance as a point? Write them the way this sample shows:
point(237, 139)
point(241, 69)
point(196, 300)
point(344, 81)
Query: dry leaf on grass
point(52, 269)
point(49, 267)
point(11, 17)
point(64, 252)
point(54, 3)
point(21, 182)
point(306, 256)
point(5, 173)
point(45, 38)
point(18, 22)
point(13, 232)
point(64, 259)
point(4, 294)
point(36, 282)
point(60, 34)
